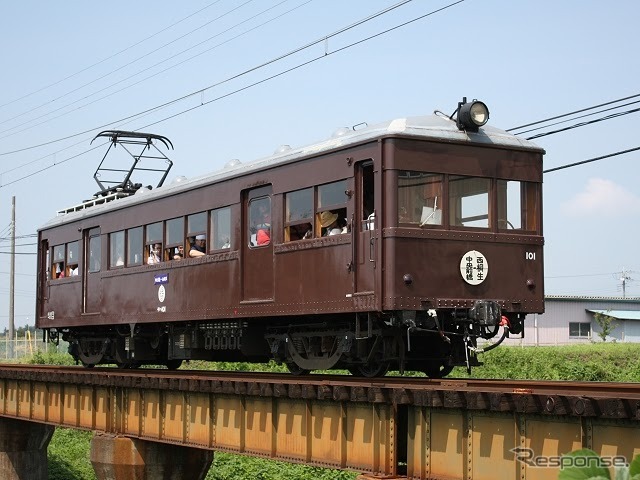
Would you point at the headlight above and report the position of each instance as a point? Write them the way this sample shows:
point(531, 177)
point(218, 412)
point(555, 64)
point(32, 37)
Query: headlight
point(472, 115)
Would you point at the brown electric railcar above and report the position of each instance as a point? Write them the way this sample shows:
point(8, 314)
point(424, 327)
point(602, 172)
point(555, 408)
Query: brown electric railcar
point(402, 245)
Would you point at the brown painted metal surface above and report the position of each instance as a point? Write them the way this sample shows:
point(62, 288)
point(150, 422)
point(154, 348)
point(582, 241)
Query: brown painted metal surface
point(392, 426)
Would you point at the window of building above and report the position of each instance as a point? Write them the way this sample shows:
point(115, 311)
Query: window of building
point(58, 267)
point(174, 235)
point(134, 246)
point(469, 201)
point(420, 198)
point(73, 255)
point(331, 212)
point(580, 329)
point(260, 222)
point(116, 249)
point(221, 228)
point(298, 216)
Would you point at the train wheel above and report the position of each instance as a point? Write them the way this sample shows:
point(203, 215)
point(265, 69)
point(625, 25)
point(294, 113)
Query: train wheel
point(438, 370)
point(370, 370)
point(173, 364)
point(294, 369)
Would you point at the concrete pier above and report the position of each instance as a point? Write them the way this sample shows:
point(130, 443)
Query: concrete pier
point(23, 449)
point(124, 458)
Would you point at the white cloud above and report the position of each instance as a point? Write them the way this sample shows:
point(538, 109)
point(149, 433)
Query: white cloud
point(602, 196)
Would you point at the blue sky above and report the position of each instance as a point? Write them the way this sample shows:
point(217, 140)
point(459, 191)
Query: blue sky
point(526, 60)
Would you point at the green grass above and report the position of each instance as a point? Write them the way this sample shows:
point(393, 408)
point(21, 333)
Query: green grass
point(606, 362)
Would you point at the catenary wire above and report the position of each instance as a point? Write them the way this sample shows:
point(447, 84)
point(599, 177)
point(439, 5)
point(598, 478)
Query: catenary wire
point(110, 56)
point(147, 69)
point(269, 62)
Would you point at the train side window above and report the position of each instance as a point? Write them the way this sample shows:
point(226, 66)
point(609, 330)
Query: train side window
point(221, 228)
point(58, 269)
point(95, 253)
point(419, 198)
point(153, 243)
point(260, 222)
point(469, 201)
point(332, 200)
point(298, 215)
point(174, 234)
point(116, 249)
point(73, 249)
point(196, 226)
point(134, 246)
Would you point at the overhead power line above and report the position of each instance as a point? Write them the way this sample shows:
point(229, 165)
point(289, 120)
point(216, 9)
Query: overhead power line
point(574, 112)
point(250, 70)
point(149, 68)
point(591, 160)
point(110, 56)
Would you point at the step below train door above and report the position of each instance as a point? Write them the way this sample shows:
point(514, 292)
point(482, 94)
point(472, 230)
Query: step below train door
point(257, 246)
point(365, 229)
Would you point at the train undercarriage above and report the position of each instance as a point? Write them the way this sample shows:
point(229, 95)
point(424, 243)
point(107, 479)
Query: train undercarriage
point(365, 344)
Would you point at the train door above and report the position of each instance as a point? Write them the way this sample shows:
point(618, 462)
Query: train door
point(44, 276)
point(91, 266)
point(365, 228)
point(257, 245)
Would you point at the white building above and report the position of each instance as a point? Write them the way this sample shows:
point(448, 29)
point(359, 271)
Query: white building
point(570, 320)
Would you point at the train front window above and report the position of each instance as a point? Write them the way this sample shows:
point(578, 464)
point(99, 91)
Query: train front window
point(420, 198)
point(469, 201)
point(517, 205)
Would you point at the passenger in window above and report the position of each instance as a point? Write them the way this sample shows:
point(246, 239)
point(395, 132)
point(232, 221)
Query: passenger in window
point(263, 233)
point(300, 232)
point(119, 260)
point(329, 223)
point(154, 254)
point(178, 253)
point(73, 271)
point(59, 270)
point(198, 248)
point(224, 242)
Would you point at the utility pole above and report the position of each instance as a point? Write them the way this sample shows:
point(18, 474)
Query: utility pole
point(624, 277)
point(12, 278)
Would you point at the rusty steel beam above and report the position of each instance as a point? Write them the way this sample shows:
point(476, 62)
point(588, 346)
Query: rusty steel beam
point(395, 427)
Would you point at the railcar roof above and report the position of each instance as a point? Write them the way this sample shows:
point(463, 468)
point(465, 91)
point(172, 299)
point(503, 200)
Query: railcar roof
point(429, 127)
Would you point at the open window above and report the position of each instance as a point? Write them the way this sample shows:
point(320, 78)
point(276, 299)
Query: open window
point(174, 235)
point(153, 243)
point(298, 217)
point(331, 213)
point(197, 234)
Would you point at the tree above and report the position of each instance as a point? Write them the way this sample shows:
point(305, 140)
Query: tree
point(606, 323)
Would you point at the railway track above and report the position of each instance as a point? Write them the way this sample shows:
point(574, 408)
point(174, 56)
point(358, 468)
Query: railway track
point(590, 399)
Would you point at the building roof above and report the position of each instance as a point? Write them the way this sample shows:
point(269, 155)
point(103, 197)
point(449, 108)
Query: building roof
point(574, 298)
point(619, 314)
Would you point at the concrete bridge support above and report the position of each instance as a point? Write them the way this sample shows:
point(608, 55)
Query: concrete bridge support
point(23, 449)
point(124, 458)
